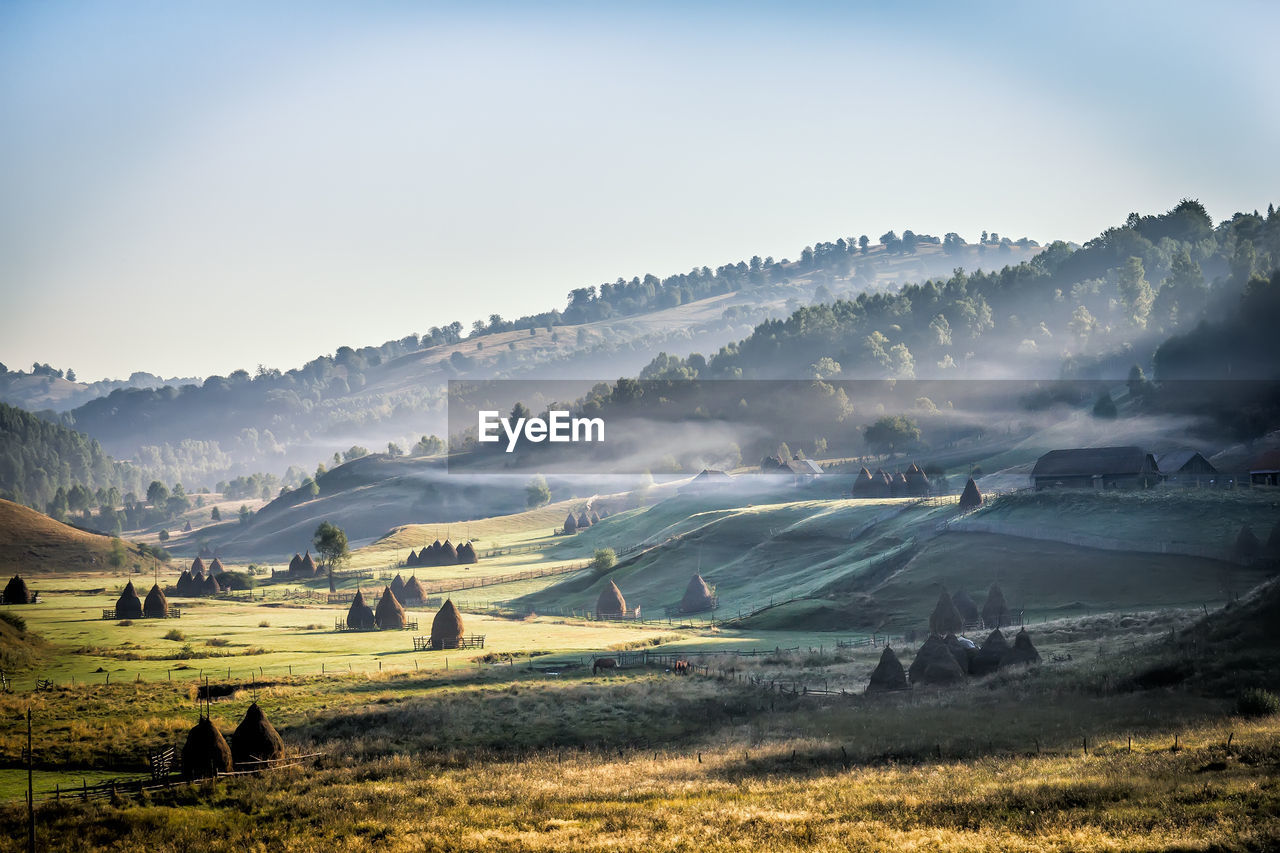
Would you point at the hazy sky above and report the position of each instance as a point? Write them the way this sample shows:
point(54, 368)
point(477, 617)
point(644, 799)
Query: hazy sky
point(191, 188)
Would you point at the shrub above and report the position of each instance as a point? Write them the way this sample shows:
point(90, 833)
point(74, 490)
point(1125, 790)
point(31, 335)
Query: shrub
point(1256, 702)
point(15, 620)
point(125, 623)
point(604, 560)
point(175, 634)
point(264, 624)
point(217, 642)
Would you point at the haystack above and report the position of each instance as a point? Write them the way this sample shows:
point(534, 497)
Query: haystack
point(970, 498)
point(963, 650)
point(966, 606)
point(1247, 545)
point(360, 616)
point(128, 605)
point(881, 485)
point(309, 565)
point(888, 674)
point(156, 606)
point(216, 567)
point(448, 554)
point(433, 553)
point(862, 486)
point(183, 586)
point(255, 740)
point(1023, 652)
point(593, 516)
point(414, 594)
point(570, 524)
point(295, 565)
point(898, 485)
point(446, 627)
point(611, 602)
point(995, 613)
point(206, 752)
point(934, 664)
point(197, 565)
point(397, 586)
point(945, 618)
point(987, 660)
point(917, 482)
point(211, 586)
point(16, 592)
point(697, 596)
point(390, 615)
point(583, 521)
point(467, 553)
point(412, 560)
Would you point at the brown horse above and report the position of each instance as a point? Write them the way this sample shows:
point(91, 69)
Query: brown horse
point(603, 663)
point(680, 667)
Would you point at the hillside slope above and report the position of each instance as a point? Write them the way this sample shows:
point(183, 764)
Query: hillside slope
point(32, 543)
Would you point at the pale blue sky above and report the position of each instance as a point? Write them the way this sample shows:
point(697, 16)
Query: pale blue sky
point(193, 188)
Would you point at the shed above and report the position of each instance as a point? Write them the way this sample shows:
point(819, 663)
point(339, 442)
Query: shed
point(1185, 467)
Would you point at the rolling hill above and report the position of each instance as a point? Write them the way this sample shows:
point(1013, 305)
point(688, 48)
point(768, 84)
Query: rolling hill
point(33, 543)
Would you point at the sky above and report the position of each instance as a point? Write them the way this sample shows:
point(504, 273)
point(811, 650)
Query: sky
point(192, 188)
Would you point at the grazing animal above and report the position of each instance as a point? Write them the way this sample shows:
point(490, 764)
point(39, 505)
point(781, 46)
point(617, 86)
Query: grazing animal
point(680, 667)
point(603, 663)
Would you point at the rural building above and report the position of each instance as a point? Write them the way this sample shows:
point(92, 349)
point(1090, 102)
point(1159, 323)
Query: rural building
point(1095, 468)
point(708, 481)
point(803, 470)
point(1185, 467)
point(1265, 470)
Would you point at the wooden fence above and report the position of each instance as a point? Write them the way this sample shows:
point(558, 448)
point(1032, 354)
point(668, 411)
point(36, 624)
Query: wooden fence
point(170, 613)
point(424, 644)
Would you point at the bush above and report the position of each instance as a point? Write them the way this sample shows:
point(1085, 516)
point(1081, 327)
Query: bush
point(15, 620)
point(264, 624)
point(604, 560)
point(175, 634)
point(217, 642)
point(1256, 702)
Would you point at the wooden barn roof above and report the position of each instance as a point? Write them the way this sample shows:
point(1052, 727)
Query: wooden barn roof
point(1176, 460)
point(1088, 461)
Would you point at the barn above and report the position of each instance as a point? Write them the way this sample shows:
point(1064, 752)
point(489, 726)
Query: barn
point(1185, 467)
point(1096, 468)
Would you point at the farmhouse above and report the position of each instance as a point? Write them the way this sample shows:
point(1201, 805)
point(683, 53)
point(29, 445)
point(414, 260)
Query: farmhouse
point(1185, 467)
point(1096, 468)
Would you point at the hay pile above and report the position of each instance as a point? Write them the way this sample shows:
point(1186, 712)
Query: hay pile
point(945, 618)
point(255, 740)
point(309, 566)
point(446, 627)
point(995, 613)
point(183, 586)
point(898, 485)
point(197, 568)
point(414, 594)
point(360, 614)
point(206, 752)
point(128, 605)
point(467, 553)
point(211, 586)
point(433, 553)
point(412, 560)
point(1022, 652)
point(611, 602)
point(697, 596)
point(966, 606)
point(888, 674)
point(970, 498)
point(917, 482)
point(987, 660)
point(448, 554)
point(295, 565)
point(570, 524)
point(862, 485)
point(963, 650)
point(216, 567)
point(583, 521)
point(593, 516)
point(156, 606)
point(934, 664)
point(397, 586)
point(16, 592)
point(389, 615)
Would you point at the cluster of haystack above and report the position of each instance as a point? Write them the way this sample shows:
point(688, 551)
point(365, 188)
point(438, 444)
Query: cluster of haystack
point(195, 582)
point(389, 615)
point(698, 596)
point(130, 606)
point(583, 520)
point(443, 554)
point(881, 484)
point(16, 592)
point(254, 744)
point(446, 627)
point(953, 613)
point(1249, 547)
point(409, 593)
point(304, 566)
point(952, 659)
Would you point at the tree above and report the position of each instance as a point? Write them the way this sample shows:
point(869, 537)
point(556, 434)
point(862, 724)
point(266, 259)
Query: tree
point(429, 445)
point(603, 560)
point(310, 488)
point(1105, 407)
point(537, 493)
point(891, 242)
point(356, 452)
point(394, 450)
point(1136, 291)
point(71, 375)
point(164, 535)
point(330, 542)
point(215, 514)
point(157, 493)
point(245, 514)
point(891, 434)
point(863, 242)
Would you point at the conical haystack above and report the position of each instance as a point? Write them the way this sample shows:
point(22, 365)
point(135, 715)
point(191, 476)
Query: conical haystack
point(995, 613)
point(966, 607)
point(467, 553)
point(898, 485)
point(309, 565)
point(963, 651)
point(433, 553)
point(448, 554)
point(970, 498)
point(128, 605)
point(197, 565)
point(295, 565)
point(697, 596)
point(945, 618)
point(414, 594)
point(412, 560)
point(888, 674)
point(593, 517)
point(1022, 652)
point(183, 586)
point(206, 752)
point(216, 567)
point(862, 485)
point(360, 614)
point(987, 660)
point(570, 524)
point(16, 592)
point(390, 615)
point(583, 521)
point(917, 482)
point(397, 586)
point(611, 602)
point(156, 606)
point(255, 740)
point(211, 586)
point(446, 627)
point(934, 664)
point(1247, 545)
